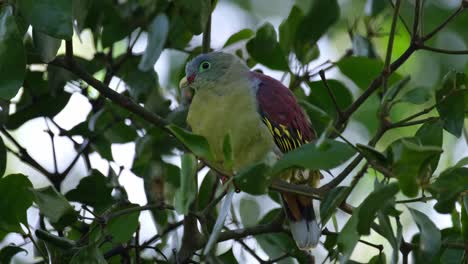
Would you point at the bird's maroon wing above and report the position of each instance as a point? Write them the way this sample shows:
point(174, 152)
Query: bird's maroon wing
point(282, 114)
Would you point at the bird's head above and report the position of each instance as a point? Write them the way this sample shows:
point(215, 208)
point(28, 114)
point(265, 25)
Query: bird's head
point(207, 70)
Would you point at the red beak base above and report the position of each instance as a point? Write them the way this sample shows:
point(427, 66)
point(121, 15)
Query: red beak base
point(191, 78)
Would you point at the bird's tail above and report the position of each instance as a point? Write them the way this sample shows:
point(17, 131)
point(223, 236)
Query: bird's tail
point(302, 221)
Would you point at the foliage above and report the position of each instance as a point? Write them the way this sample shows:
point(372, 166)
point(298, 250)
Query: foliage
point(407, 120)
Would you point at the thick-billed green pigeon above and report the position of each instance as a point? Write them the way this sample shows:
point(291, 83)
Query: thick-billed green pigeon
point(263, 120)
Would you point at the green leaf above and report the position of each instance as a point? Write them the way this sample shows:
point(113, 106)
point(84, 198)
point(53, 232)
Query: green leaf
point(287, 29)
point(331, 201)
point(430, 239)
point(349, 236)
point(327, 155)
point(121, 228)
point(88, 254)
point(265, 48)
point(320, 97)
point(206, 189)
point(451, 100)
point(80, 12)
point(92, 190)
point(243, 34)
point(363, 70)
point(44, 106)
point(140, 84)
point(319, 118)
point(431, 134)
point(372, 154)
point(374, 7)
point(55, 207)
point(464, 219)
point(448, 187)
point(417, 96)
point(373, 203)
point(253, 179)
point(8, 252)
point(157, 35)
point(53, 17)
point(188, 187)
point(3, 157)
point(225, 207)
point(197, 144)
point(408, 159)
point(249, 211)
point(56, 241)
point(387, 232)
point(228, 258)
point(12, 54)
point(15, 199)
point(46, 45)
point(378, 259)
point(195, 14)
point(321, 14)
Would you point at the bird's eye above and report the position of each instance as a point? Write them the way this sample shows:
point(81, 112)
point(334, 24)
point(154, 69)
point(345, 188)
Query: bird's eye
point(204, 66)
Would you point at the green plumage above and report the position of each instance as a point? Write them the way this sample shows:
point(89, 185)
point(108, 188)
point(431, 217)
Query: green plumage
point(233, 111)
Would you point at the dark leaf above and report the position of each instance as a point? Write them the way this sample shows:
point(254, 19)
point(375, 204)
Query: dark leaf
point(325, 156)
point(379, 259)
point(430, 238)
point(265, 48)
point(15, 199)
point(320, 97)
point(92, 190)
point(319, 118)
point(228, 258)
point(321, 14)
point(55, 207)
point(139, 83)
point(12, 55)
point(253, 179)
point(451, 100)
point(188, 187)
point(448, 187)
point(249, 211)
point(372, 154)
point(195, 14)
point(121, 228)
point(80, 11)
point(8, 252)
point(206, 189)
point(408, 159)
point(373, 203)
point(88, 254)
point(375, 7)
point(331, 201)
point(53, 17)
point(349, 236)
point(157, 35)
point(46, 45)
point(3, 157)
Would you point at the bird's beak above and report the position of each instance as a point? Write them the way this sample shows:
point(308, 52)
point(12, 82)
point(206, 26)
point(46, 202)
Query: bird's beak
point(183, 83)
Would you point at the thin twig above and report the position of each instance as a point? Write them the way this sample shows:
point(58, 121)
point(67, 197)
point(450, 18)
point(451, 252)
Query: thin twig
point(388, 56)
point(330, 93)
point(444, 51)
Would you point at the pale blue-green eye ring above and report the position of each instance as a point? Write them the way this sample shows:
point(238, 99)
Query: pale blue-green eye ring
point(204, 66)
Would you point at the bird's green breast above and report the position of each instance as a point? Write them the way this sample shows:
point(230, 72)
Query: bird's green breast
point(214, 115)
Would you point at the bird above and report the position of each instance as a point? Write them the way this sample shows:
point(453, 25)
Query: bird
point(263, 121)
